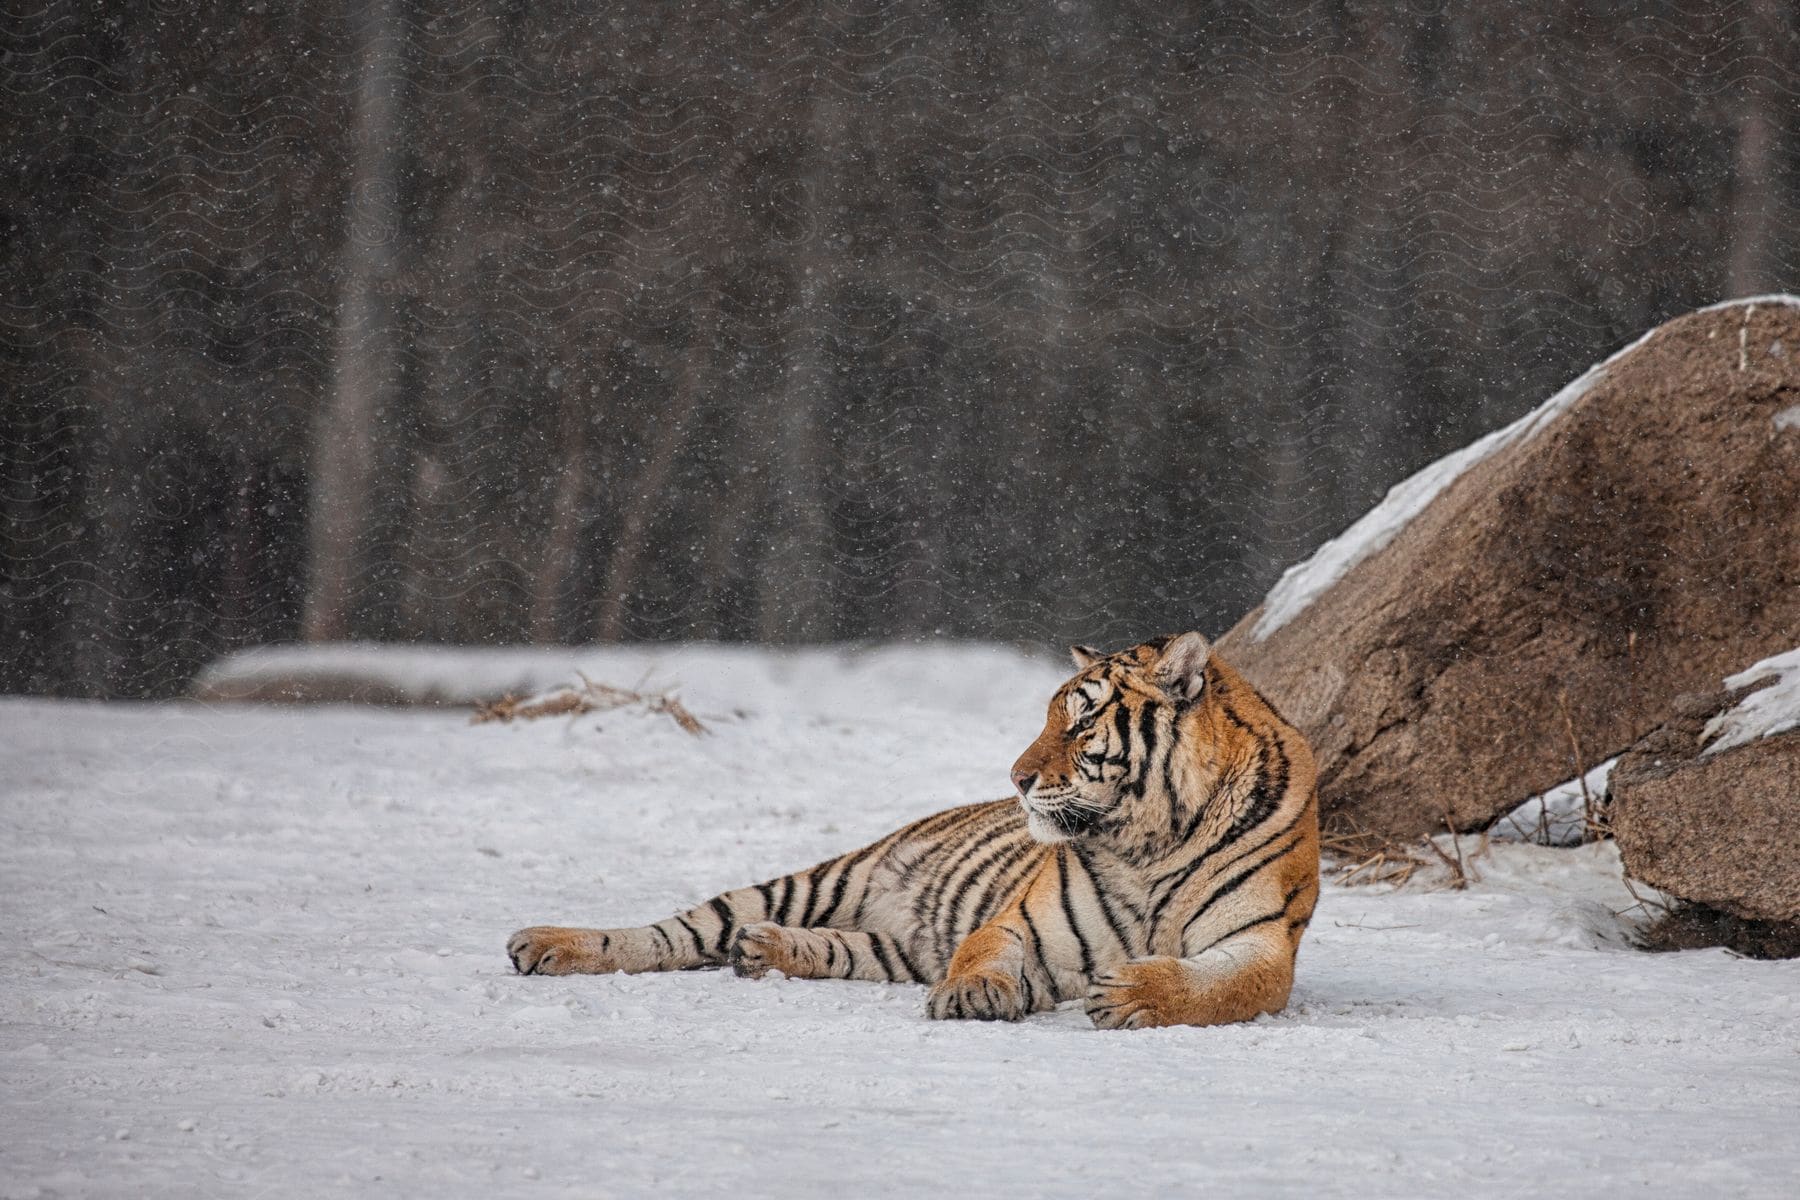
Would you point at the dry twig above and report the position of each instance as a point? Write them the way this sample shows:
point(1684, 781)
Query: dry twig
point(1644, 903)
point(1594, 829)
point(1368, 858)
point(589, 697)
point(1459, 876)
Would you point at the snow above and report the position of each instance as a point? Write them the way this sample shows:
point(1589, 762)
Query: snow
point(972, 675)
point(1773, 708)
point(257, 952)
point(1558, 817)
point(1305, 582)
point(1787, 298)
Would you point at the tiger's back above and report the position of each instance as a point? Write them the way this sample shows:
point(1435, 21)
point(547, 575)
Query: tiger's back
point(1161, 864)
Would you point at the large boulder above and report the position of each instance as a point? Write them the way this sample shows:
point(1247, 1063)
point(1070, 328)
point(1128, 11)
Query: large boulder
point(1706, 807)
point(1534, 603)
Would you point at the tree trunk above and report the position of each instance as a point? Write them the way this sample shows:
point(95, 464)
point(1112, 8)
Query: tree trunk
point(671, 432)
point(552, 573)
point(113, 362)
point(1753, 191)
point(364, 359)
point(791, 593)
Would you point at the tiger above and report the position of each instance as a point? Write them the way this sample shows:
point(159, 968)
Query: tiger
point(1160, 865)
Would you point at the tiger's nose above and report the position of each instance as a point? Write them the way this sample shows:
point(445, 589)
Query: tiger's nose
point(1023, 781)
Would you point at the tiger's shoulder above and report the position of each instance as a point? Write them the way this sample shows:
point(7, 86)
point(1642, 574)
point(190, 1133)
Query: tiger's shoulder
point(1254, 858)
point(1249, 723)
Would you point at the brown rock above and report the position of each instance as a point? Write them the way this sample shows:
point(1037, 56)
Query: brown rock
point(1720, 830)
point(1639, 541)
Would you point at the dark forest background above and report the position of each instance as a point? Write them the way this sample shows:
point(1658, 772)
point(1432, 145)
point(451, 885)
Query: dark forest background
point(792, 322)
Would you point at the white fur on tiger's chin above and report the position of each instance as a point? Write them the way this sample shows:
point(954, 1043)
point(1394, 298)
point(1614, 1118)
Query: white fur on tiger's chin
point(1042, 829)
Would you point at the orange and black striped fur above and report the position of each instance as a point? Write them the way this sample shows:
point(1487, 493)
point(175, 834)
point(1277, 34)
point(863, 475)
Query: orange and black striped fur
point(1161, 865)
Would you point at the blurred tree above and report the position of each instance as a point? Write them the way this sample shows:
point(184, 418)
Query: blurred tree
point(366, 350)
point(1033, 320)
point(1757, 163)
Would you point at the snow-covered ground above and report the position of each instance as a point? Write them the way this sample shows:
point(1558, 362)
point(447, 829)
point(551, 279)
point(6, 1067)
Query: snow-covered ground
point(257, 952)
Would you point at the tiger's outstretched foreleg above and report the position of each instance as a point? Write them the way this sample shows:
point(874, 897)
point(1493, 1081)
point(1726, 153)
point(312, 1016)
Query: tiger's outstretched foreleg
point(829, 954)
point(828, 895)
point(688, 940)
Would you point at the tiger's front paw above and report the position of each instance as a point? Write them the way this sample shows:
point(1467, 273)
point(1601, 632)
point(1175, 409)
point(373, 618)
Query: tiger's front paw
point(761, 947)
point(551, 950)
point(1142, 993)
point(979, 996)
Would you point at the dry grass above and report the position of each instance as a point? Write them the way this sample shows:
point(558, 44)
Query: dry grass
point(1592, 816)
point(1362, 857)
point(589, 697)
point(1394, 866)
point(1646, 906)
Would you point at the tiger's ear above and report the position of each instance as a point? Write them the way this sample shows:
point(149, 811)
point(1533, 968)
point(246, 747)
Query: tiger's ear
point(1084, 657)
point(1181, 671)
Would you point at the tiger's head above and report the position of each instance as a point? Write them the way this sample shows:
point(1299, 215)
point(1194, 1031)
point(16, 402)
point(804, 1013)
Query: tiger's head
point(1101, 764)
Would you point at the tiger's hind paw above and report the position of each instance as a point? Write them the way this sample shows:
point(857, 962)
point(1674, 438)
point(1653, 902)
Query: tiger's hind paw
point(982, 996)
point(551, 950)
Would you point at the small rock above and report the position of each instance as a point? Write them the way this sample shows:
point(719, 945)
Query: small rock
point(1715, 829)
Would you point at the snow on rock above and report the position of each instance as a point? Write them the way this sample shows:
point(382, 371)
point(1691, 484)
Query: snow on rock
point(258, 951)
point(1774, 708)
point(1792, 301)
point(1560, 816)
point(1301, 584)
